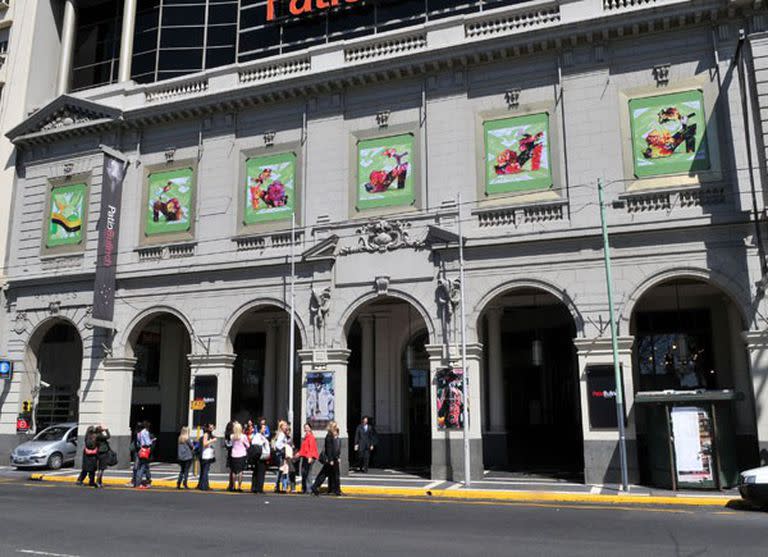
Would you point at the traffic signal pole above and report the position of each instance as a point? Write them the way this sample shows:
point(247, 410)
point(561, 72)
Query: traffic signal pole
point(614, 343)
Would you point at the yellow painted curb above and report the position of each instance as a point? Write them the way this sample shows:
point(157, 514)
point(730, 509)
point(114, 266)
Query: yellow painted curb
point(464, 494)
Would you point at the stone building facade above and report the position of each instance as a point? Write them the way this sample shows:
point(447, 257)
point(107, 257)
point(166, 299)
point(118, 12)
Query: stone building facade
point(376, 292)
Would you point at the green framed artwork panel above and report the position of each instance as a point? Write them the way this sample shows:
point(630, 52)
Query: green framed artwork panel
point(385, 171)
point(669, 134)
point(517, 153)
point(169, 201)
point(270, 188)
point(66, 215)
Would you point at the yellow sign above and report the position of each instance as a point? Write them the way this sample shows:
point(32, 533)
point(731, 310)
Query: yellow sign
point(197, 404)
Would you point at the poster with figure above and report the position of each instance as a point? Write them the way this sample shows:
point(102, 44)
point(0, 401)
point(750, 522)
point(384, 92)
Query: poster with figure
point(385, 171)
point(65, 215)
point(668, 134)
point(169, 203)
point(320, 399)
point(270, 188)
point(692, 433)
point(517, 153)
point(450, 398)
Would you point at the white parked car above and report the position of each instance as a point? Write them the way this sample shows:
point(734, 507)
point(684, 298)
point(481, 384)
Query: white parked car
point(753, 485)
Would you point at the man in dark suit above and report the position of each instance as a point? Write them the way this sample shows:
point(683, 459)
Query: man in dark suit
point(365, 441)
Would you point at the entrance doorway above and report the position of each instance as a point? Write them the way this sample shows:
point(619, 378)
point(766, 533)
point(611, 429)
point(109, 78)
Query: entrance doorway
point(261, 341)
point(388, 381)
point(688, 339)
point(532, 421)
point(58, 357)
point(161, 376)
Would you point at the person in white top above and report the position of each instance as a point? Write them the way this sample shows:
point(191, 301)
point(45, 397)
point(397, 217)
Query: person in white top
point(279, 446)
point(259, 439)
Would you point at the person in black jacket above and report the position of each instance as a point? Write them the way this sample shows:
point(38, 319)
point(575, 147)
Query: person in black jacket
point(90, 458)
point(330, 459)
point(104, 455)
point(365, 441)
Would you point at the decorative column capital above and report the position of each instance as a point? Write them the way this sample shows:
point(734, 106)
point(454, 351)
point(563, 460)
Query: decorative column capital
point(211, 362)
point(324, 356)
point(119, 365)
point(601, 346)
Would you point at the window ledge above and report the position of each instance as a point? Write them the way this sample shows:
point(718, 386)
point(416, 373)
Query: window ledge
point(521, 213)
point(167, 251)
point(664, 199)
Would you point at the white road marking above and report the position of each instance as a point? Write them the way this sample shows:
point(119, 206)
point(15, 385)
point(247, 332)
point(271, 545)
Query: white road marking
point(596, 490)
point(46, 553)
point(433, 485)
point(456, 486)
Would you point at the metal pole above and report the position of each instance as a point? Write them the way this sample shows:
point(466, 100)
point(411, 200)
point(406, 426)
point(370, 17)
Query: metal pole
point(465, 371)
point(292, 343)
point(614, 343)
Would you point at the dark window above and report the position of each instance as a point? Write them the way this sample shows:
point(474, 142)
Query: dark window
point(147, 354)
point(215, 57)
point(222, 13)
point(225, 35)
point(182, 37)
point(97, 44)
point(181, 59)
point(183, 15)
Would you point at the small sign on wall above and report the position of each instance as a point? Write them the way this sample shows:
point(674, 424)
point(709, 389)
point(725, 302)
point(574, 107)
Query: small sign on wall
point(601, 397)
point(6, 370)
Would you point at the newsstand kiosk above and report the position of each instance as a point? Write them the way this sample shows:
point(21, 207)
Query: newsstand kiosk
point(689, 438)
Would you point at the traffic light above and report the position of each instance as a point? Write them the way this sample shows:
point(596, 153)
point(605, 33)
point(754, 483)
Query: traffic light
point(26, 406)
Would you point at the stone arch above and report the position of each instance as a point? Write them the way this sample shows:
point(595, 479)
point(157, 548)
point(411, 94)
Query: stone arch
point(537, 284)
point(348, 317)
point(716, 279)
point(130, 333)
point(230, 325)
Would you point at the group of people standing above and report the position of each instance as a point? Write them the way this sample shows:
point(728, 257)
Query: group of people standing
point(248, 447)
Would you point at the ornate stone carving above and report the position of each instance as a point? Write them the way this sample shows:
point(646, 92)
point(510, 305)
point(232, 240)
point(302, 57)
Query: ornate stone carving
point(319, 306)
point(54, 307)
point(661, 74)
point(381, 285)
point(21, 323)
point(381, 236)
point(448, 300)
point(382, 118)
point(269, 138)
point(63, 119)
point(68, 168)
point(512, 96)
point(170, 154)
point(87, 319)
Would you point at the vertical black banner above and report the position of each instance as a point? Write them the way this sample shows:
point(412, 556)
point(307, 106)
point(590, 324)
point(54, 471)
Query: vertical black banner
point(113, 175)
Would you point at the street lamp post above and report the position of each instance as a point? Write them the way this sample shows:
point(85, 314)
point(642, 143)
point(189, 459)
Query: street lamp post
point(292, 333)
point(465, 372)
point(614, 343)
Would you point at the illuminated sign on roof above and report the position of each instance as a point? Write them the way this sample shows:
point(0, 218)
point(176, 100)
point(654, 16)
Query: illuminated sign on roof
point(303, 7)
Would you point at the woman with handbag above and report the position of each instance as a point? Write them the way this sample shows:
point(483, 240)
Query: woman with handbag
point(185, 453)
point(105, 456)
point(90, 458)
point(207, 457)
point(279, 447)
point(144, 442)
point(330, 459)
point(308, 454)
point(260, 441)
point(239, 455)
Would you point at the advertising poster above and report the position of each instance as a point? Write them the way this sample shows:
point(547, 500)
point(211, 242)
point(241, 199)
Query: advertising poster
point(385, 171)
point(109, 232)
point(601, 389)
point(517, 153)
point(270, 189)
point(693, 444)
point(203, 401)
point(321, 399)
point(668, 134)
point(450, 398)
point(65, 216)
point(169, 203)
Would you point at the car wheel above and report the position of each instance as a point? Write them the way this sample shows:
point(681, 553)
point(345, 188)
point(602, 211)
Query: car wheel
point(55, 461)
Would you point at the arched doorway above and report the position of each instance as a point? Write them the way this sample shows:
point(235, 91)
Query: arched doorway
point(532, 418)
point(56, 353)
point(388, 381)
point(260, 339)
point(161, 345)
point(687, 339)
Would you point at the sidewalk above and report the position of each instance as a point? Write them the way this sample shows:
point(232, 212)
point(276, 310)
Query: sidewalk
point(499, 488)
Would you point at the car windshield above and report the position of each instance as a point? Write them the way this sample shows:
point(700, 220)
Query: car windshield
point(51, 434)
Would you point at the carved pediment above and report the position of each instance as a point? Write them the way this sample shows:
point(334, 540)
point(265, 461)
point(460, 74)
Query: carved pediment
point(64, 113)
point(323, 250)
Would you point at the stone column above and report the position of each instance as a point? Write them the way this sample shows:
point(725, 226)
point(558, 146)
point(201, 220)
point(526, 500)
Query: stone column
point(757, 350)
point(220, 366)
point(126, 40)
point(281, 370)
point(333, 360)
point(270, 372)
point(366, 365)
point(496, 394)
point(68, 24)
point(448, 444)
point(601, 456)
point(118, 390)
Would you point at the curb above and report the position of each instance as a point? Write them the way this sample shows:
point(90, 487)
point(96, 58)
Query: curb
point(468, 494)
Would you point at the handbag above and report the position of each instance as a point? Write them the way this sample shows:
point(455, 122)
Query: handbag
point(253, 453)
point(208, 453)
point(91, 452)
point(144, 453)
point(266, 452)
point(111, 458)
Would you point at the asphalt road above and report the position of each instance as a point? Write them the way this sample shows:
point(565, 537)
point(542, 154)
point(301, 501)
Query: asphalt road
point(55, 520)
